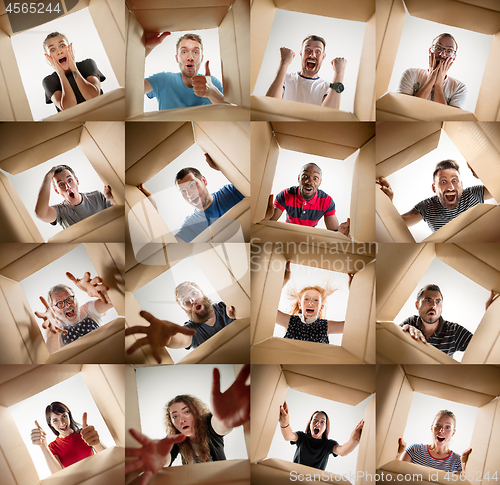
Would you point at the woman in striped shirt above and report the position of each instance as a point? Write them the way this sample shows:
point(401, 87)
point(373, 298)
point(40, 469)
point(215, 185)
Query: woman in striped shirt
point(438, 454)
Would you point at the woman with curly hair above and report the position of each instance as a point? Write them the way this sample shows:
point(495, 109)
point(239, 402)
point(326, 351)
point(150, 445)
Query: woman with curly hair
point(192, 429)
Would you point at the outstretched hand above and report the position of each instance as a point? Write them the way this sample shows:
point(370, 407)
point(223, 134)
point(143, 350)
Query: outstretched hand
point(50, 322)
point(385, 187)
point(230, 312)
point(465, 457)
point(93, 287)
point(356, 434)
point(231, 408)
point(284, 418)
point(158, 335)
point(401, 446)
point(154, 39)
point(152, 456)
point(210, 162)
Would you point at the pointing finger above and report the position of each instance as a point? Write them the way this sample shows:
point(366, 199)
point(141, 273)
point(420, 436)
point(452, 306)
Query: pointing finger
point(44, 302)
point(71, 277)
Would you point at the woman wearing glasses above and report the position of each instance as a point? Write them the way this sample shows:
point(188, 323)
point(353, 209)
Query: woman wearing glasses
point(434, 83)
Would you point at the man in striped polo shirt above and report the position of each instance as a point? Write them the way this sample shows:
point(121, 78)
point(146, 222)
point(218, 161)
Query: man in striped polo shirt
point(451, 198)
point(306, 204)
point(430, 327)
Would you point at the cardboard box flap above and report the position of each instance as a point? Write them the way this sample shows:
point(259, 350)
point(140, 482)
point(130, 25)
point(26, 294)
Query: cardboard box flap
point(336, 8)
point(488, 428)
point(398, 268)
point(483, 252)
point(488, 103)
point(229, 147)
point(390, 226)
point(366, 455)
point(207, 112)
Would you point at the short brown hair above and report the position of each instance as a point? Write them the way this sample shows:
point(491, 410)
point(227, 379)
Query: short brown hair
point(450, 37)
point(430, 287)
point(182, 285)
point(315, 38)
point(194, 37)
point(445, 165)
point(183, 172)
point(60, 169)
point(51, 36)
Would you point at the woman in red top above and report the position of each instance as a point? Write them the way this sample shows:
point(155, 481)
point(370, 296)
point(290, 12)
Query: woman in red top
point(72, 443)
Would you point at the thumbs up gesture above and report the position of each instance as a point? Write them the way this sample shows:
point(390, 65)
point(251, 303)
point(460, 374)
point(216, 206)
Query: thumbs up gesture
point(38, 435)
point(89, 434)
point(202, 85)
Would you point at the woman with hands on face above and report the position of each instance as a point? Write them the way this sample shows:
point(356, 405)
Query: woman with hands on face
point(438, 454)
point(313, 445)
point(192, 429)
point(72, 443)
point(71, 82)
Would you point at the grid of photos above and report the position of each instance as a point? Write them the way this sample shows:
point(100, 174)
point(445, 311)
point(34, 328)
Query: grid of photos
point(249, 242)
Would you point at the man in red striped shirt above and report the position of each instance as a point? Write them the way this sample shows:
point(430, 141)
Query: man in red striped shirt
point(306, 204)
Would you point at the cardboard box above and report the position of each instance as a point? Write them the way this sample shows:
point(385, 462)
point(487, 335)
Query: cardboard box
point(262, 17)
point(400, 267)
point(231, 17)
point(268, 267)
point(21, 340)
point(477, 386)
point(222, 263)
point(399, 144)
point(152, 146)
point(24, 146)
point(227, 472)
point(270, 384)
point(106, 385)
point(108, 18)
point(332, 140)
point(474, 15)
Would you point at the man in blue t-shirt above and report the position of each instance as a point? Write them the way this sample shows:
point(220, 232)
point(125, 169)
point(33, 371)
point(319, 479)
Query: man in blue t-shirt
point(185, 88)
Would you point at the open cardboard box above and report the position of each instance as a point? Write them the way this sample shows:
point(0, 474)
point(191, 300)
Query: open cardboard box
point(231, 17)
point(27, 145)
point(106, 384)
point(270, 384)
point(477, 386)
point(333, 140)
point(21, 340)
point(358, 341)
point(400, 267)
point(475, 15)
point(399, 144)
point(227, 472)
point(108, 17)
point(152, 146)
point(270, 109)
point(220, 264)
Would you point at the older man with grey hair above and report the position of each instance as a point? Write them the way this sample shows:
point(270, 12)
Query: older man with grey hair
point(64, 319)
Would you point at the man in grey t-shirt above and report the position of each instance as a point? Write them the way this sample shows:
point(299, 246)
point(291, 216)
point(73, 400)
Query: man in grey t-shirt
point(76, 206)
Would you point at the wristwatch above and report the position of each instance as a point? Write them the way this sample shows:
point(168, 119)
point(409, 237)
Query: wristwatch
point(339, 87)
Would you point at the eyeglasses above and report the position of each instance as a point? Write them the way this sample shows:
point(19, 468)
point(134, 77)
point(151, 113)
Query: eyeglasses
point(437, 49)
point(432, 300)
point(68, 301)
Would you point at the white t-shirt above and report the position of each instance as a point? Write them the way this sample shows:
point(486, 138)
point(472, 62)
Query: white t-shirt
point(413, 79)
point(304, 89)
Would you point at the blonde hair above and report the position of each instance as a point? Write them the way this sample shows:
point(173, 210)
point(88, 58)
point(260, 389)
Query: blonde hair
point(200, 413)
point(445, 412)
point(296, 296)
point(182, 285)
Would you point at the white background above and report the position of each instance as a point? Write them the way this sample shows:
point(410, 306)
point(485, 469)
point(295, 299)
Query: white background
point(158, 296)
point(463, 300)
point(28, 183)
point(336, 182)
point(72, 392)
point(162, 58)
point(413, 51)
point(344, 38)
point(157, 385)
point(77, 262)
point(413, 183)
point(80, 30)
point(343, 420)
point(423, 410)
point(336, 304)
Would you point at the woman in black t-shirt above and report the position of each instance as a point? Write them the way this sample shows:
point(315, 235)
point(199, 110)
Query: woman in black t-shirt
point(313, 445)
point(201, 431)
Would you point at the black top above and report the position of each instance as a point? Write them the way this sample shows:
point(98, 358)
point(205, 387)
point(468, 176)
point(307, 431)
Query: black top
point(203, 331)
point(52, 83)
point(312, 452)
point(215, 444)
point(449, 337)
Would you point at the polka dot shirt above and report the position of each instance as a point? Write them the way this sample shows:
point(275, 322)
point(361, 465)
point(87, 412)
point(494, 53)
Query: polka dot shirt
point(90, 320)
point(311, 332)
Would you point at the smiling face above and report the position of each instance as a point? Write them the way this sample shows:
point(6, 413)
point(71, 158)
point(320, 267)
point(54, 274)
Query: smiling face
point(448, 187)
point(312, 55)
point(442, 430)
point(430, 306)
point(57, 47)
point(70, 312)
point(309, 181)
point(189, 57)
point(195, 191)
point(183, 419)
point(318, 425)
point(61, 422)
point(66, 185)
point(311, 304)
point(197, 306)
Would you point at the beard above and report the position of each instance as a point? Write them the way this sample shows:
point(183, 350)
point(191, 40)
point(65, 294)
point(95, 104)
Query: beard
point(62, 317)
point(203, 315)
